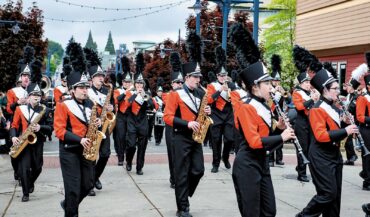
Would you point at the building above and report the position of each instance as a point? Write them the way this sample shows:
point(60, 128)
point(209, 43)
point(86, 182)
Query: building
point(337, 31)
point(140, 46)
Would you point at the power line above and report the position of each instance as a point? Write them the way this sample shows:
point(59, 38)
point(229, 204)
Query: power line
point(116, 19)
point(118, 9)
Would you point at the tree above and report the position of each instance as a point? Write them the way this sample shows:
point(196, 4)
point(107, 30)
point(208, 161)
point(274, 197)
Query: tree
point(90, 43)
point(110, 46)
point(280, 37)
point(11, 49)
point(56, 53)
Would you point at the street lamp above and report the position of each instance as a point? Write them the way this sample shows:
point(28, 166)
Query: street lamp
point(197, 7)
point(14, 25)
point(16, 29)
point(162, 53)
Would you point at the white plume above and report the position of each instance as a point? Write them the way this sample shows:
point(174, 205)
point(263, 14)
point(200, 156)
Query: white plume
point(359, 72)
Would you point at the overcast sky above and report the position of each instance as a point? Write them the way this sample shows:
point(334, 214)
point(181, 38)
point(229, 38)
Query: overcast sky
point(154, 27)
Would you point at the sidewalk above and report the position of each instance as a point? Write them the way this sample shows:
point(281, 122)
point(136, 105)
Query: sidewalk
point(129, 195)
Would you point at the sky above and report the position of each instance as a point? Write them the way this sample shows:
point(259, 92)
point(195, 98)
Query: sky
point(155, 27)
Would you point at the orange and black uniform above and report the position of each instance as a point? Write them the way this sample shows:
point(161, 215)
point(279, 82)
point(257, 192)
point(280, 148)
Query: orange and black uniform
point(71, 122)
point(303, 103)
point(99, 97)
point(181, 108)
point(60, 93)
point(30, 160)
point(363, 117)
point(326, 162)
point(223, 123)
point(121, 123)
point(13, 95)
point(251, 172)
point(137, 127)
point(168, 138)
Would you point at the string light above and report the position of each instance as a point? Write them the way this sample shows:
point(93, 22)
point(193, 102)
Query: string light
point(115, 19)
point(119, 9)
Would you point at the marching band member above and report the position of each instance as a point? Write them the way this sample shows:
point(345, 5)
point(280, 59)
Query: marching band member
point(18, 95)
point(351, 88)
point(363, 117)
point(61, 91)
point(303, 99)
point(137, 103)
point(119, 97)
point(222, 114)
point(251, 173)
point(98, 94)
point(324, 151)
point(176, 83)
point(71, 124)
point(158, 129)
point(277, 156)
point(181, 112)
point(30, 160)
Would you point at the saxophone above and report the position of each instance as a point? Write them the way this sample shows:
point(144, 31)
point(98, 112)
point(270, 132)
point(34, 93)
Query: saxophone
point(93, 135)
point(107, 118)
point(203, 120)
point(28, 137)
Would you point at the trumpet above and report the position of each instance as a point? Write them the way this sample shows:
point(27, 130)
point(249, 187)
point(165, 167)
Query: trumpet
point(286, 121)
point(144, 95)
point(358, 140)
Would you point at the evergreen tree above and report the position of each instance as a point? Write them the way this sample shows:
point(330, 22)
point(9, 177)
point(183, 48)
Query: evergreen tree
point(11, 49)
point(90, 43)
point(280, 37)
point(110, 46)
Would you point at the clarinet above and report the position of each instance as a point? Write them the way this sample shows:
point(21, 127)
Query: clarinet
point(359, 141)
point(287, 123)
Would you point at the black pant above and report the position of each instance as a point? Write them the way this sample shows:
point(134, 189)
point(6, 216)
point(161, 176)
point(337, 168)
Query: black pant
point(301, 130)
point(30, 163)
point(221, 130)
point(121, 132)
point(170, 152)
point(78, 178)
point(150, 126)
point(158, 133)
point(189, 167)
point(365, 133)
point(104, 154)
point(252, 182)
point(136, 137)
point(350, 150)
point(277, 155)
point(327, 177)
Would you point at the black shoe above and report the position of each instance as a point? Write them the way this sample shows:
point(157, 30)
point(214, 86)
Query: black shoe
point(172, 186)
point(227, 164)
point(299, 215)
point(303, 179)
point(280, 162)
point(139, 172)
point(128, 167)
point(120, 163)
point(353, 158)
point(366, 187)
point(25, 198)
point(32, 188)
point(366, 208)
point(349, 163)
point(214, 169)
point(92, 193)
point(362, 174)
point(98, 185)
point(63, 204)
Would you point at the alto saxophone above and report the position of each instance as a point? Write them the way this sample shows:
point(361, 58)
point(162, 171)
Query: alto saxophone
point(28, 137)
point(204, 121)
point(93, 135)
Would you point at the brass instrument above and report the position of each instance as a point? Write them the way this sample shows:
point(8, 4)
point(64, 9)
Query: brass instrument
point(287, 123)
point(93, 134)
point(45, 84)
point(203, 120)
point(358, 141)
point(107, 117)
point(28, 137)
